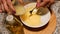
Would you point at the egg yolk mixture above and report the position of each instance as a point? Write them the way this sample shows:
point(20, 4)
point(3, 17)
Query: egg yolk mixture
point(33, 20)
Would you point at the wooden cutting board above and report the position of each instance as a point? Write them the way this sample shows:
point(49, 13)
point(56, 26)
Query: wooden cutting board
point(49, 29)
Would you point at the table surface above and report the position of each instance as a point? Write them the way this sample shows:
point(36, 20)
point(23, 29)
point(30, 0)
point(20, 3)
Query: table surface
point(56, 8)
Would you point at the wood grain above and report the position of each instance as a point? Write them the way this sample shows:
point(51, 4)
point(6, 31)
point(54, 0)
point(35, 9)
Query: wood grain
point(50, 28)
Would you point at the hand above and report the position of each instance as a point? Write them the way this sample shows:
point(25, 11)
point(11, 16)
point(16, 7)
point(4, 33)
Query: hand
point(8, 6)
point(44, 2)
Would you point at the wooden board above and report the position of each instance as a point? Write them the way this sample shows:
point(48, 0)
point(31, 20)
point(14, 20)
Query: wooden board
point(49, 29)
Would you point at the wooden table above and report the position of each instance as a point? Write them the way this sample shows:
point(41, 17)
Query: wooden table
point(49, 29)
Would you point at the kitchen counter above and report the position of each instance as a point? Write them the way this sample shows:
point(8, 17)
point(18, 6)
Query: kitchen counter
point(56, 8)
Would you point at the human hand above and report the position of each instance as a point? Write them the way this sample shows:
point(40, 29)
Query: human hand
point(44, 3)
point(8, 6)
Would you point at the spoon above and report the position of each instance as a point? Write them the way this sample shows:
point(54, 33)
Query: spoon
point(34, 11)
point(39, 11)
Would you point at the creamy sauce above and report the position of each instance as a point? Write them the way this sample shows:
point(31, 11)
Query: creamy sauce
point(33, 20)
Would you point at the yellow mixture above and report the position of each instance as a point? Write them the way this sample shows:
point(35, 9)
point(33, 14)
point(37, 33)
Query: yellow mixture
point(33, 20)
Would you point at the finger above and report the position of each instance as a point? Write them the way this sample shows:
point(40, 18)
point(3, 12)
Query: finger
point(44, 3)
point(5, 5)
point(0, 7)
point(0, 1)
point(38, 3)
point(11, 6)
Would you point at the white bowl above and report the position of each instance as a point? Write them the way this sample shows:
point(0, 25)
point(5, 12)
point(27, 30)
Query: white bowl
point(45, 18)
